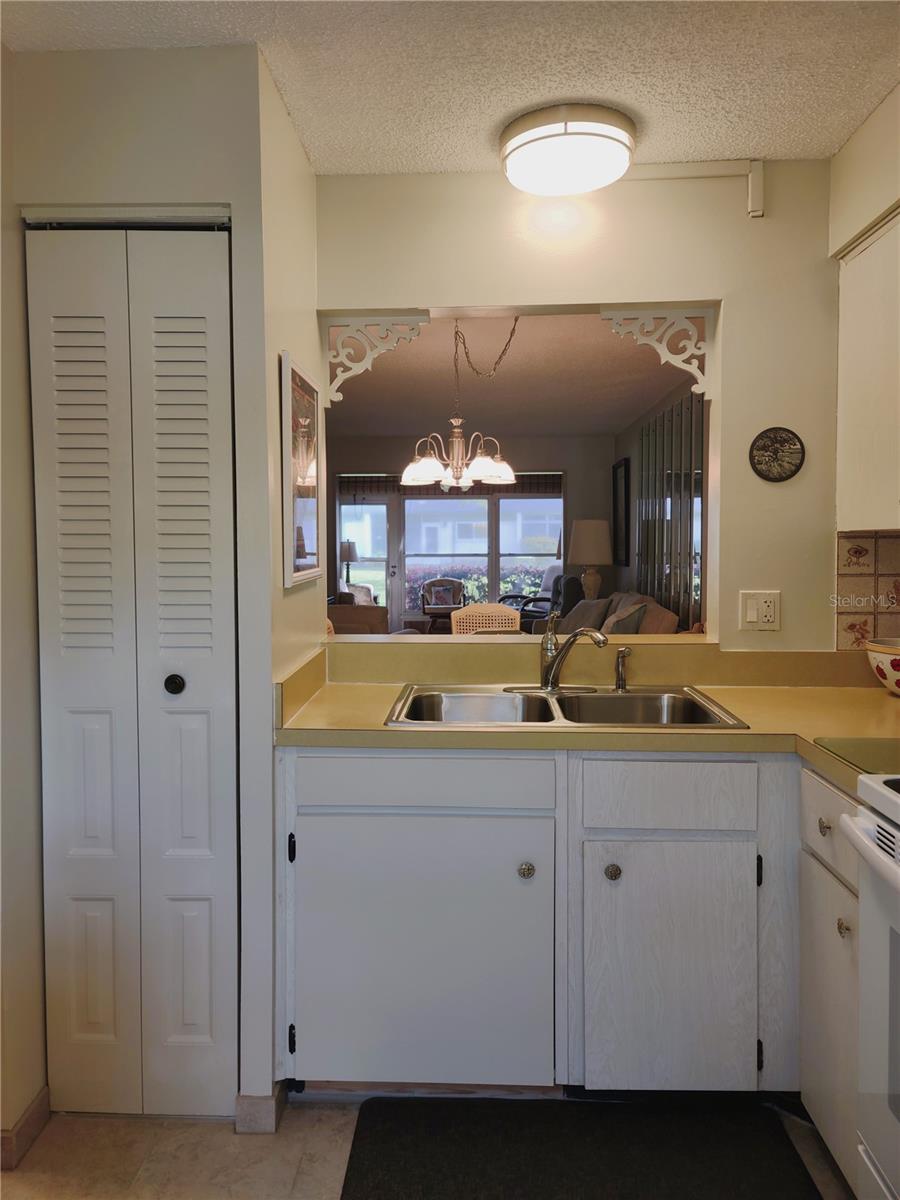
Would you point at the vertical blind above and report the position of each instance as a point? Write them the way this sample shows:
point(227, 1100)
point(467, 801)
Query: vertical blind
point(670, 508)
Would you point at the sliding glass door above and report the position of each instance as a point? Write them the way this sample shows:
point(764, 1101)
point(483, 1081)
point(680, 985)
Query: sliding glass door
point(366, 526)
point(446, 538)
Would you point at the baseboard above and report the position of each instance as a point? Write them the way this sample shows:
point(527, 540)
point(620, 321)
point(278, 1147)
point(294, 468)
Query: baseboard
point(260, 1114)
point(16, 1142)
point(321, 1089)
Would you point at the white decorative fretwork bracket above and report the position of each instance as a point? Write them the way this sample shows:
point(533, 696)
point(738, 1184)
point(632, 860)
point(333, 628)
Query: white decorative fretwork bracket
point(360, 339)
point(673, 335)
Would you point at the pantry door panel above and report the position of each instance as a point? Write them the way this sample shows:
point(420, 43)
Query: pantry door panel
point(81, 415)
point(184, 542)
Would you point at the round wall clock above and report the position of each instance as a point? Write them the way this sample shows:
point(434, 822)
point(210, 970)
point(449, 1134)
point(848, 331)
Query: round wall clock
point(776, 454)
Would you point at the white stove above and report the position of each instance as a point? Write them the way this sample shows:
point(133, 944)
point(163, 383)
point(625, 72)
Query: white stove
point(874, 831)
point(881, 792)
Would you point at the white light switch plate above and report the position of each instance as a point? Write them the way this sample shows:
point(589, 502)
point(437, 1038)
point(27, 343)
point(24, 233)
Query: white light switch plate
point(760, 610)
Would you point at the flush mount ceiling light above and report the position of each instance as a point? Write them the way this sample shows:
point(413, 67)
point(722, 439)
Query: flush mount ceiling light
point(567, 149)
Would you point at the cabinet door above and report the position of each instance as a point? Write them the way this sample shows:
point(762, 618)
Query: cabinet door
point(829, 973)
point(184, 552)
point(81, 416)
point(670, 959)
point(422, 955)
point(868, 419)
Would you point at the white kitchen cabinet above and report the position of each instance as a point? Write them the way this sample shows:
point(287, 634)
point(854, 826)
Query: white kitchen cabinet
point(670, 965)
point(868, 419)
point(424, 949)
point(412, 951)
point(829, 971)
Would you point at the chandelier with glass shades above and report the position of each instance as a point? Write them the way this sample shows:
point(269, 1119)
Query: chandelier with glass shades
point(457, 464)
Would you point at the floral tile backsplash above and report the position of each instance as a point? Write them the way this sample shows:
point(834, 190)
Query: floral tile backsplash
point(867, 599)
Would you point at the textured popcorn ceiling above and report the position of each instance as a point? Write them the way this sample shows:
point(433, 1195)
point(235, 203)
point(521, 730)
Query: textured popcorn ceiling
point(564, 374)
point(427, 85)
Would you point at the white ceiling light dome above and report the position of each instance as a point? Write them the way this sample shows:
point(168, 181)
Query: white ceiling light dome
point(567, 149)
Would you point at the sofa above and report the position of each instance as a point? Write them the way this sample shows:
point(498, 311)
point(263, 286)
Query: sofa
point(635, 613)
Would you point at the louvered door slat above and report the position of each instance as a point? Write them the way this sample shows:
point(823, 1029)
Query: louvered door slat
point(181, 385)
point(81, 406)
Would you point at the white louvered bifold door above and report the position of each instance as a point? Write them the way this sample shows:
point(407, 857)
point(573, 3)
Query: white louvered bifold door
point(81, 404)
point(184, 552)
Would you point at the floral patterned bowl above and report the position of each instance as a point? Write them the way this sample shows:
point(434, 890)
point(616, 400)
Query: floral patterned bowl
point(884, 657)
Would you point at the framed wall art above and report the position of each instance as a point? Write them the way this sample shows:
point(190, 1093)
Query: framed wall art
point(300, 473)
point(777, 454)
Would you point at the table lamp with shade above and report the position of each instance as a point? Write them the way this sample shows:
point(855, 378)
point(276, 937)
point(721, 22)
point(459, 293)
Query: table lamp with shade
point(348, 556)
point(590, 547)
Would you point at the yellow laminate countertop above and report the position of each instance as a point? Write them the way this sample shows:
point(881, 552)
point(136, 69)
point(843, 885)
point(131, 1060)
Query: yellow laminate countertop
point(780, 719)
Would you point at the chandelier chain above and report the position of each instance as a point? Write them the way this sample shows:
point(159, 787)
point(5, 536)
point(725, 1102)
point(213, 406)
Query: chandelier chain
point(459, 339)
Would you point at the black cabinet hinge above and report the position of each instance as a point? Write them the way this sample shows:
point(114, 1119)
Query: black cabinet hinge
point(759, 870)
point(292, 848)
point(292, 1039)
point(759, 1053)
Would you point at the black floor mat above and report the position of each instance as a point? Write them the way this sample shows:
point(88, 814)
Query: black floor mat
point(421, 1149)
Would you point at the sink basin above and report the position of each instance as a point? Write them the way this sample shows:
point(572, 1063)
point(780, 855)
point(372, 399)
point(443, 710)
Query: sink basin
point(477, 707)
point(644, 707)
point(490, 707)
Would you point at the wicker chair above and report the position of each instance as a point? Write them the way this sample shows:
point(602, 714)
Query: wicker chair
point(441, 598)
point(481, 618)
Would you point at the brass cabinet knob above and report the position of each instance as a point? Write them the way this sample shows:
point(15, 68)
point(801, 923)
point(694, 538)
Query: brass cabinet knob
point(613, 871)
point(843, 928)
point(824, 827)
point(526, 870)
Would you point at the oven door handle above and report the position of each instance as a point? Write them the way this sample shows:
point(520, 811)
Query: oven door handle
point(852, 829)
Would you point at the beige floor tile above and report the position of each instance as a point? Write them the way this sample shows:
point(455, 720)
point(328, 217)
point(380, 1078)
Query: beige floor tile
point(326, 1133)
point(83, 1158)
point(193, 1161)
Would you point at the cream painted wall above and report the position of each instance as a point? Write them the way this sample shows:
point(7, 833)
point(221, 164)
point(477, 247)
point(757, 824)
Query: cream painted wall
point(421, 241)
point(865, 175)
point(289, 258)
point(22, 981)
point(183, 127)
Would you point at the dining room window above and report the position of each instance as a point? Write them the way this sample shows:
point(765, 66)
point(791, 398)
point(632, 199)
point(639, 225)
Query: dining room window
point(529, 540)
point(495, 541)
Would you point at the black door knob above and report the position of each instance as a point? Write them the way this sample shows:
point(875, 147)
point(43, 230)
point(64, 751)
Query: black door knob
point(174, 684)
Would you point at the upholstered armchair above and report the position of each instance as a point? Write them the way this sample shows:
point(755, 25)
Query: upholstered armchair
point(356, 593)
point(440, 598)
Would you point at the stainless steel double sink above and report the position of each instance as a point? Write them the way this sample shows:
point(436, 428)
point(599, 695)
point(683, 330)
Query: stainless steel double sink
point(481, 707)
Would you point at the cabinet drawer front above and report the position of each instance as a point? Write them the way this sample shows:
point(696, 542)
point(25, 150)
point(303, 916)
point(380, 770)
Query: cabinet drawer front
point(431, 780)
point(820, 802)
point(669, 795)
